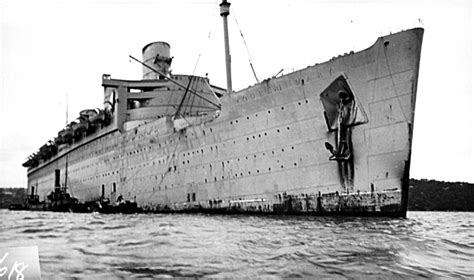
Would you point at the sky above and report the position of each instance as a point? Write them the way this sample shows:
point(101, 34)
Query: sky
point(53, 55)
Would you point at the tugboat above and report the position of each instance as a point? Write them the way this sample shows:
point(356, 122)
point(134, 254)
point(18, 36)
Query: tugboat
point(58, 200)
point(33, 203)
point(106, 206)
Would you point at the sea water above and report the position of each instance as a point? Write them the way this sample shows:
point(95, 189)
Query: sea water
point(98, 246)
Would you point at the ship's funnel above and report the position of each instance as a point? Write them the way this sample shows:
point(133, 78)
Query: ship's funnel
point(157, 56)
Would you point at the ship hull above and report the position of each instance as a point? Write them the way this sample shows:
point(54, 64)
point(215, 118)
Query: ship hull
point(331, 139)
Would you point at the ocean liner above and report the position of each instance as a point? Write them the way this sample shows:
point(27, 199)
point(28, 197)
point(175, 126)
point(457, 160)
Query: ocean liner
point(333, 138)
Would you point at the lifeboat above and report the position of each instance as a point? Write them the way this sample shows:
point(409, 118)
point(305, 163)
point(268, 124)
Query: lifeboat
point(87, 114)
point(80, 127)
point(67, 133)
point(98, 118)
point(30, 161)
point(59, 140)
point(47, 151)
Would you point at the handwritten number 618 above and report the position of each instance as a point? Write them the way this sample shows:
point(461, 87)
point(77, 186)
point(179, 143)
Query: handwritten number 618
point(17, 268)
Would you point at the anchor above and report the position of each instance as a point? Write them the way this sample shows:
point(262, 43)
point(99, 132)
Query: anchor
point(342, 150)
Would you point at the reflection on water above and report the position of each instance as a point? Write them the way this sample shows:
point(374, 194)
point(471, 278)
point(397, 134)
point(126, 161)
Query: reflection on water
point(426, 244)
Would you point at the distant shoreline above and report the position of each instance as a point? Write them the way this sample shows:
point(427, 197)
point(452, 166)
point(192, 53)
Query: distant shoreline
point(432, 195)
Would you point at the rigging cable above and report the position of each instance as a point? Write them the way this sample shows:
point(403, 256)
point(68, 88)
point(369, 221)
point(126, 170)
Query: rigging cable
point(213, 14)
point(245, 43)
point(199, 56)
point(184, 97)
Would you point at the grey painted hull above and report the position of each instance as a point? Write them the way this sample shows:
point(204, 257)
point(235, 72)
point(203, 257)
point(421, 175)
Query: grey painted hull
point(264, 150)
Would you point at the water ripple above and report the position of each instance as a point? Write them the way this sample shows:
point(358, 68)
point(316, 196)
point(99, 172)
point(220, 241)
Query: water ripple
point(84, 246)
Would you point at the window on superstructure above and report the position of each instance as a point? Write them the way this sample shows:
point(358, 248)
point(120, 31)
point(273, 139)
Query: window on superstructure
point(194, 196)
point(114, 187)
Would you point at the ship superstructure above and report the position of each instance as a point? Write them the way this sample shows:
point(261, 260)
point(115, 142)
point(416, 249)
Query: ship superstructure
point(333, 138)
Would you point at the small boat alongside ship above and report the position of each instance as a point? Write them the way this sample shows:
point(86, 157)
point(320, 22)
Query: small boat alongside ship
point(313, 142)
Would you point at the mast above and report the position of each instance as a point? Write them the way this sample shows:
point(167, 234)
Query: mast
point(224, 13)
